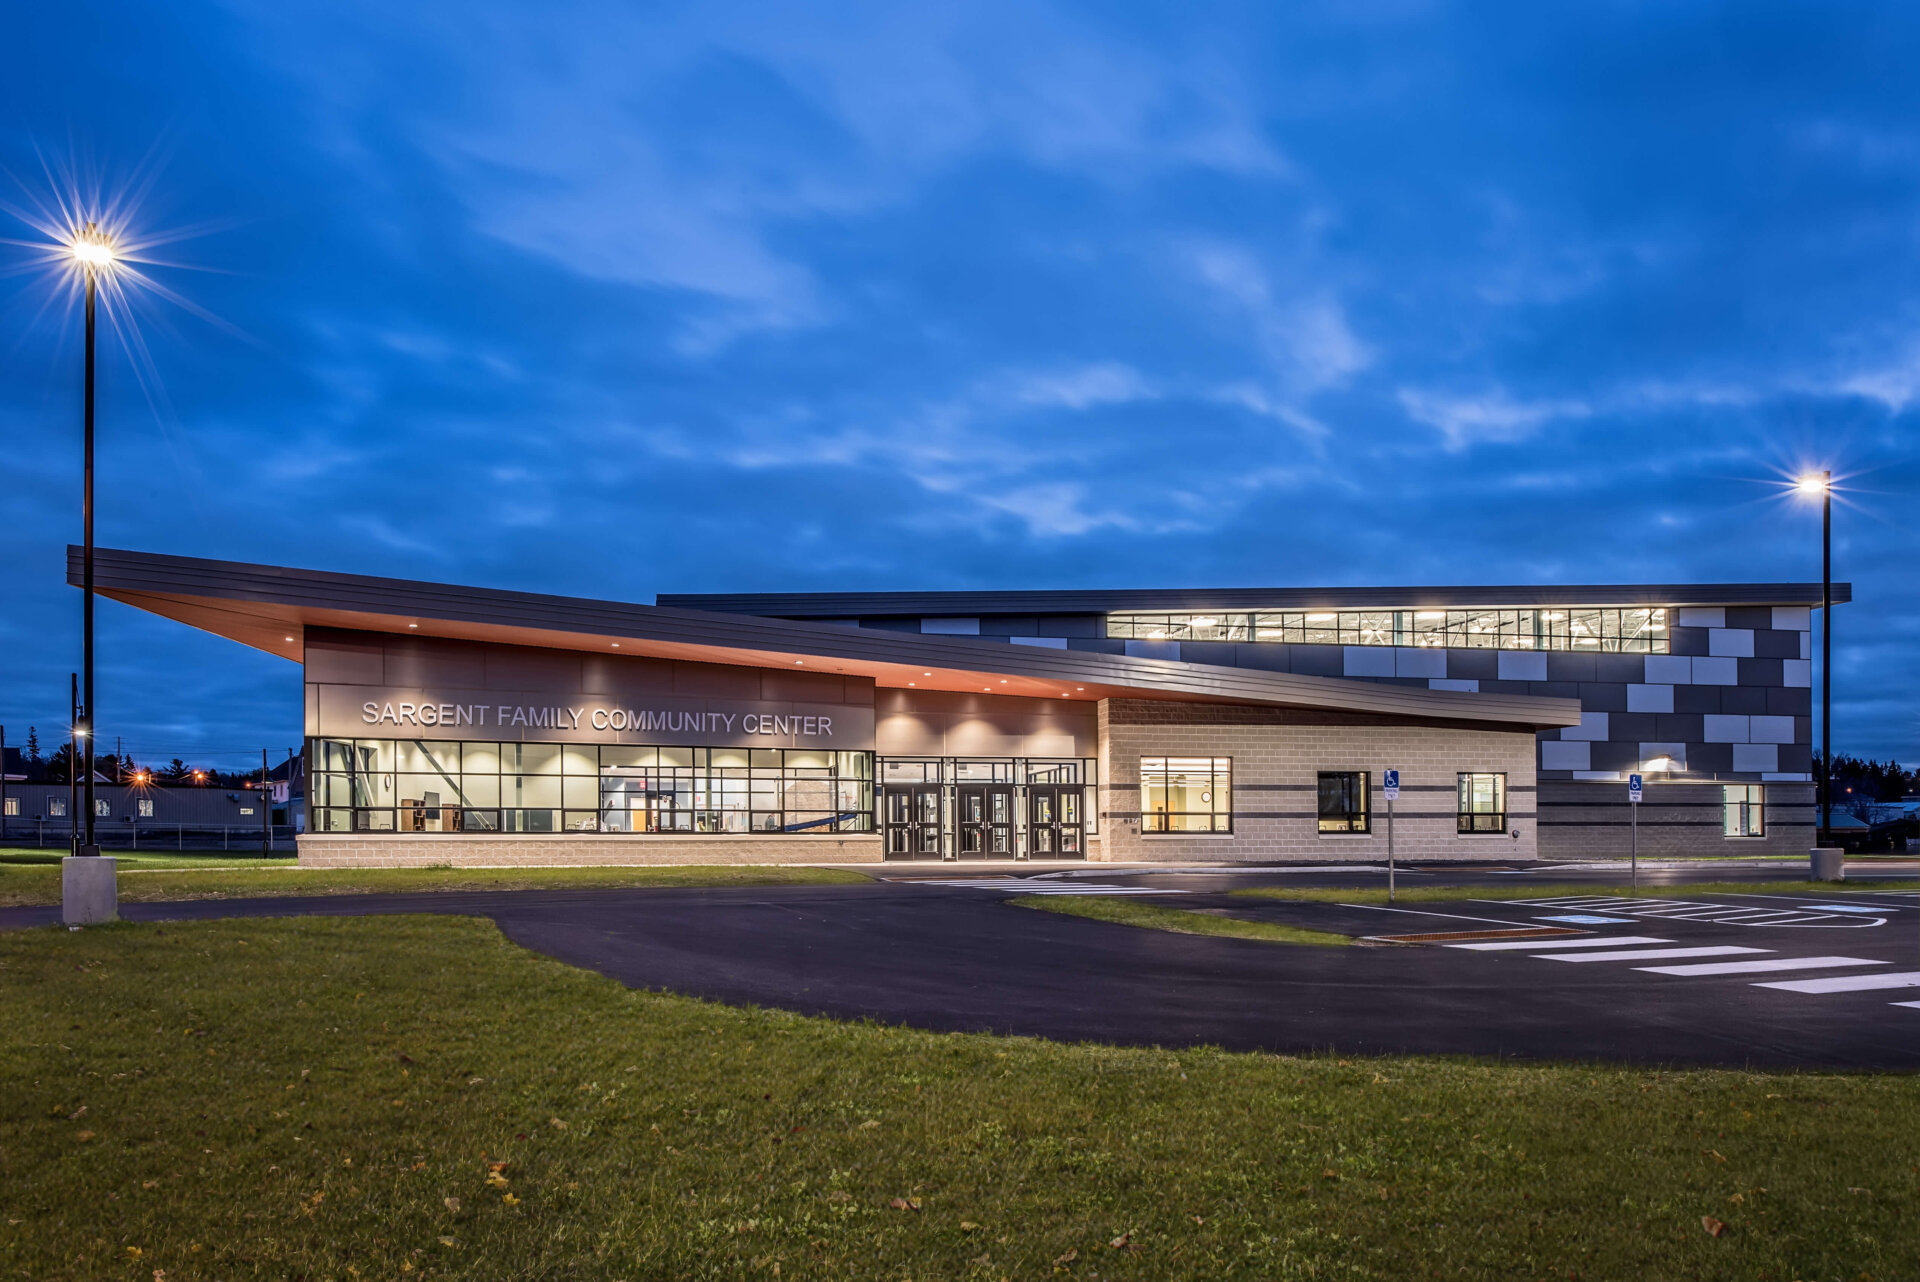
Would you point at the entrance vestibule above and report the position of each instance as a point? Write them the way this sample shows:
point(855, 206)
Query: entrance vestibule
point(958, 808)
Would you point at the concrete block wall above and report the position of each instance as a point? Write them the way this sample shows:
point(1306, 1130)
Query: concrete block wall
point(1590, 820)
point(465, 850)
point(1277, 754)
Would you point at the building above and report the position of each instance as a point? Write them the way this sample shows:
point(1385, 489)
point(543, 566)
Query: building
point(136, 814)
point(455, 724)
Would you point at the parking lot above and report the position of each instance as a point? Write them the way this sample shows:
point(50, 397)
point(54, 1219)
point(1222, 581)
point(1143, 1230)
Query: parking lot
point(1817, 980)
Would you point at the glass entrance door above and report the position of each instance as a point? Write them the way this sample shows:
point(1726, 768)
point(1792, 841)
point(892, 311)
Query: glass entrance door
point(1055, 826)
point(911, 817)
point(986, 821)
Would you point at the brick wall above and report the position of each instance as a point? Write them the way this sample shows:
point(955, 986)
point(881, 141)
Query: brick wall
point(1591, 820)
point(1277, 754)
point(462, 850)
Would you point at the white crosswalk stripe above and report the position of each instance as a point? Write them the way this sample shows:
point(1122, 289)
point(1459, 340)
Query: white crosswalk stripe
point(1697, 910)
point(1848, 983)
point(1755, 967)
point(1516, 945)
point(1649, 954)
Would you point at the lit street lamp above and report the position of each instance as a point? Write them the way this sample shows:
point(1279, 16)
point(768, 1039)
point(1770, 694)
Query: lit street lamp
point(93, 253)
point(1821, 483)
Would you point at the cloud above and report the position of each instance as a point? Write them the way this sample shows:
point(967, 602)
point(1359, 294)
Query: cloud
point(1303, 333)
point(1490, 418)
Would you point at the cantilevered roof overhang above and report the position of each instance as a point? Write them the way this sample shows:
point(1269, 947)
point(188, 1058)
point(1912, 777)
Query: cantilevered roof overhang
point(271, 607)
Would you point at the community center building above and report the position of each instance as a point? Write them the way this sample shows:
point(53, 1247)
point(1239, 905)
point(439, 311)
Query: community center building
point(448, 724)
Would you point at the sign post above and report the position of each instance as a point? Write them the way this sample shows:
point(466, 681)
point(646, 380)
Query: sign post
point(1390, 785)
point(1633, 808)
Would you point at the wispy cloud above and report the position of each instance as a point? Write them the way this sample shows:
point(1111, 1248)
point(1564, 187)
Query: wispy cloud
point(1489, 418)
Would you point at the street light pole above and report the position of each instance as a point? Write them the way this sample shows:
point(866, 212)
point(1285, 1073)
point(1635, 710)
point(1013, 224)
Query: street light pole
point(90, 846)
point(1826, 658)
point(88, 890)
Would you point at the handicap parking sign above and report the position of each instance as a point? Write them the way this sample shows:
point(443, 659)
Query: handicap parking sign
point(1390, 784)
point(1633, 788)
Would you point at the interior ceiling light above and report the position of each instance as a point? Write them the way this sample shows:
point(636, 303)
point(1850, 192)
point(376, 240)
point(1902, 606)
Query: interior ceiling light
point(616, 645)
point(1320, 618)
point(413, 625)
point(1205, 621)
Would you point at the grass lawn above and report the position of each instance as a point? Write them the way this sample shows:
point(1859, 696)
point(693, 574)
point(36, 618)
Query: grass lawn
point(1181, 921)
point(415, 1098)
point(151, 879)
point(1544, 890)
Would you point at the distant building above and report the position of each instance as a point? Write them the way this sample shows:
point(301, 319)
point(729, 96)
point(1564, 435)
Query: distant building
point(34, 809)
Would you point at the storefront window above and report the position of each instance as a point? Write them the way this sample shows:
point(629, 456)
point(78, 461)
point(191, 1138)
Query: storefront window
point(1343, 801)
point(1483, 803)
point(1186, 794)
point(445, 786)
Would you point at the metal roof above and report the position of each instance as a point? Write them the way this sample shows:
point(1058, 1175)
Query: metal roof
point(269, 607)
point(834, 605)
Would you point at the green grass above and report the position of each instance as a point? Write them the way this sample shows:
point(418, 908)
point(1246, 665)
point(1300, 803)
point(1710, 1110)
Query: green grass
point(49, 856)
point(143, 883)
point(1548, 890)
point(1181, 921)
point(328, 1098)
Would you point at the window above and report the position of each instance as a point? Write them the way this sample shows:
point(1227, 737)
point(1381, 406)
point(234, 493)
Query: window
point(1483, 803)
point(101, 808)
point(13, 805)
point(1186, 794)
point(415, 785)
point(1638, 630)
point(57, 807)
point(1745, 810)
point(1343, 800)
point(143, 807)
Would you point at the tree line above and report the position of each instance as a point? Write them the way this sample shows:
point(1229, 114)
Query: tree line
point(65, 761)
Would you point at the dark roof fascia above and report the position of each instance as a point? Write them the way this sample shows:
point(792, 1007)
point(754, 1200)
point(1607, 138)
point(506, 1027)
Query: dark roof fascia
point(847, 605)
point(149, 573)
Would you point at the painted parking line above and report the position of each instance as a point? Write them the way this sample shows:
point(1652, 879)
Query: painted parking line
point(1913, 1005)
point(1027, 886)
point(1650, 954)
point(1510, 944)
point(1588, 919)
point(1754, 967)
point(1848, 983)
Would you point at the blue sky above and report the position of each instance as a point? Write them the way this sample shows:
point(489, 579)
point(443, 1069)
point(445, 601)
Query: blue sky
point(615, 299)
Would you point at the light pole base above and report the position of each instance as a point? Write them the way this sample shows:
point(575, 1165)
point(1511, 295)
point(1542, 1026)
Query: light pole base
point(89, 890)
point(1828, 863)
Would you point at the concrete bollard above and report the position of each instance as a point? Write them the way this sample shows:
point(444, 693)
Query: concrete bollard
point(1827, 862)
point(89, 890)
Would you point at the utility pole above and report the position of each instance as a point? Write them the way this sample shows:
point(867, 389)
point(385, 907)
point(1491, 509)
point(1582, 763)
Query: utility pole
point(266, 809)
point(73, 763)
